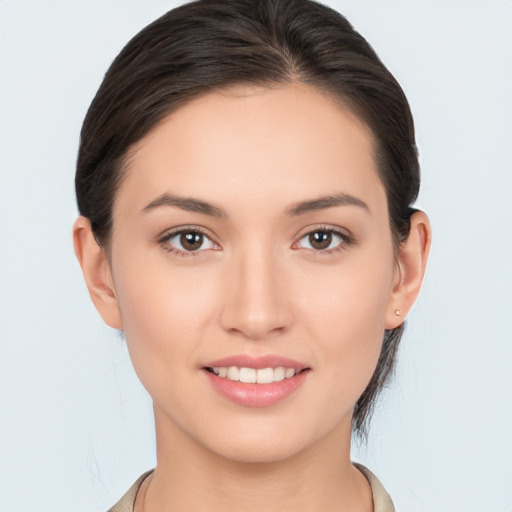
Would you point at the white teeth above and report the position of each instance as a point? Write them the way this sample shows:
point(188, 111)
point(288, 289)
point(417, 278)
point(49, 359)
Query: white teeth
point(251, 375)
point(265, 376)
point(248, 375)
point(233, 373)
point(279, 373)
point(289, 372)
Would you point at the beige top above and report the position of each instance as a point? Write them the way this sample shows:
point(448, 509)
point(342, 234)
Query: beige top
point(381, 499)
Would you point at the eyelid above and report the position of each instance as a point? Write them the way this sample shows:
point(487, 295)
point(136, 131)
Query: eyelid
point(345, 235)
point(169, 234)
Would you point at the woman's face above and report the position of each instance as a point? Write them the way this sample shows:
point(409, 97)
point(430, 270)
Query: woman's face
point(252, 232)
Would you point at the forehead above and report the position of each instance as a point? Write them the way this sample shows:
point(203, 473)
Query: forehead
point(284, 142)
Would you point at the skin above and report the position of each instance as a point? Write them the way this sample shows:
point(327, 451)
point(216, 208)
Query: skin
point(259, 287)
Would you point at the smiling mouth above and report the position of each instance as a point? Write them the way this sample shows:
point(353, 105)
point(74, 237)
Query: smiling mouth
point(252, 375)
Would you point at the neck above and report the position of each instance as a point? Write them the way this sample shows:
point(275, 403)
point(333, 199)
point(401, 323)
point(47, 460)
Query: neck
point(188, 476)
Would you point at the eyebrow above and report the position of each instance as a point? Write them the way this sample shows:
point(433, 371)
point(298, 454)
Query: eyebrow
point(325, 202)
point(199, 206)
point(185, 203)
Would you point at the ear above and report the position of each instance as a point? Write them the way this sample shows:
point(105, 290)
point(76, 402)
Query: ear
point(409, 270)
point(97, 273)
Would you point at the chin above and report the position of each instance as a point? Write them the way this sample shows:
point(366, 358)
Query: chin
point(267, 444)
point(258, 452)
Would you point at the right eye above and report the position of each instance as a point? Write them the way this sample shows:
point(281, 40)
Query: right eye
point(187, 241)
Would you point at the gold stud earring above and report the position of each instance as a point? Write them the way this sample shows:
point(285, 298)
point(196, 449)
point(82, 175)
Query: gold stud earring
point(397, 312)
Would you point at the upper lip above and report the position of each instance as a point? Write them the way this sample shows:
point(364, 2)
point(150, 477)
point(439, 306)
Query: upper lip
point(256, 362)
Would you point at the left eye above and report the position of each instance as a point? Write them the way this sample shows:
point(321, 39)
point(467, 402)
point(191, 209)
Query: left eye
point(190, 241)
point(321, 240)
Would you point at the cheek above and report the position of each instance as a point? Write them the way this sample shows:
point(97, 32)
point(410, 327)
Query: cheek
point(164, 312)
point(345, 312)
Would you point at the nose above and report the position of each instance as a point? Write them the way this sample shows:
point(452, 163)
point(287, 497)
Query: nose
point(255, 302)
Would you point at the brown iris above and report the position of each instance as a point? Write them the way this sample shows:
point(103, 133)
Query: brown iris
point(320, 239)
point(191, 240)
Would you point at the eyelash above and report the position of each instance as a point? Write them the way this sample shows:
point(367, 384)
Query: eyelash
point(346, 240)
point(164, 241)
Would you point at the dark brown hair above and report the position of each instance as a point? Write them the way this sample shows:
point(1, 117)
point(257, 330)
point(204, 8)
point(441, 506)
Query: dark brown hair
point(207, 45)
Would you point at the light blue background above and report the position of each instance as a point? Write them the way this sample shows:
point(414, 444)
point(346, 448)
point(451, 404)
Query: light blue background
point(76, 426)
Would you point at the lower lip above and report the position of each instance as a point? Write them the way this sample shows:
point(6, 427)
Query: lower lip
point(256, 395)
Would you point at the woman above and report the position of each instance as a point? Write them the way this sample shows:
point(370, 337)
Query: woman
point(245, 181)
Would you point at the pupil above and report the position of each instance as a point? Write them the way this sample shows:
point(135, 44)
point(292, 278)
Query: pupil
point(191, 241)
point(320, 239)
